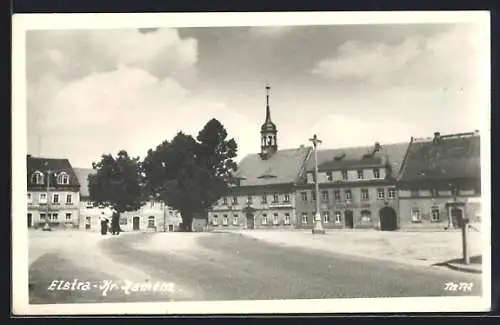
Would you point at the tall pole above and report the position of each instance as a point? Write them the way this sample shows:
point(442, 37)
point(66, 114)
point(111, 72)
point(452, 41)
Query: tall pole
point(47, 225)
point(318, 225)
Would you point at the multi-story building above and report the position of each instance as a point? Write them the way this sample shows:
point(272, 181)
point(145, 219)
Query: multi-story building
point(153, 216)
point(264, 195)
point(53, 193)
point(357, 187)
point(440, 181)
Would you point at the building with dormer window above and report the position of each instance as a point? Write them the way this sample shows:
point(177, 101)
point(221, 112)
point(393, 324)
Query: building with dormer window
point(440, 181)
point(264, 196)
point(53, 193)
point(357, 187)
point(153, 216)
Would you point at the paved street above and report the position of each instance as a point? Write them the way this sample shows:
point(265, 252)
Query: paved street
point(223, 266)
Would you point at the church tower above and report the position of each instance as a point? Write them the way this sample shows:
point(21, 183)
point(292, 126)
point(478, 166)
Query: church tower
point(268, 132)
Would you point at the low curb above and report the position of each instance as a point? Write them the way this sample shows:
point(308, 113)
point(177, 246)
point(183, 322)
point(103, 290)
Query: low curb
point(463, 268)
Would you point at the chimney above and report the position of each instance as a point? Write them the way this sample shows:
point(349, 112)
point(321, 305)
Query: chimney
point(437, 137)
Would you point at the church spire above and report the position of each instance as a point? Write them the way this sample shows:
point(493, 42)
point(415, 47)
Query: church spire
point(268, 132)
point(268, 110)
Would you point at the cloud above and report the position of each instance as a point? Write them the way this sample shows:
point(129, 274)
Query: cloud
point(72, 54)
point(338, 130)
point(270, 31)
point(448, 59)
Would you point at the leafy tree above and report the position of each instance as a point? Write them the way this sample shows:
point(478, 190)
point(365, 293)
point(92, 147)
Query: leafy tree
point(117, 184)
point(190, 175)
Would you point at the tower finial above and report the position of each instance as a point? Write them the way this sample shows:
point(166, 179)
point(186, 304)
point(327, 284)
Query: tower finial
point(268, 110)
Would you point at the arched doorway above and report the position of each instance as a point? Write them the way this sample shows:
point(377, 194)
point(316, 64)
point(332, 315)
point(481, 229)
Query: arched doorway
point(388, 219)
point(250, 221)
point(136, 221)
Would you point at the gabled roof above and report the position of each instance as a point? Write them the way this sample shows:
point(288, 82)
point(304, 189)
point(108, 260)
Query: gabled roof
point(82, 174)
point(56, 165)
point(284, 166)
point(359, 157)
point(449, 157)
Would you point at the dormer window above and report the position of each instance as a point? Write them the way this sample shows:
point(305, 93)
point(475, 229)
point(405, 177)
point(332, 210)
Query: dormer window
point(37, 178)
point(361, 174)
point(63, 178)
point(344, 175)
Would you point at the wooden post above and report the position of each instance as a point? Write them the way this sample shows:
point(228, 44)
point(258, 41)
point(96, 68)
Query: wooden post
point(465, 248)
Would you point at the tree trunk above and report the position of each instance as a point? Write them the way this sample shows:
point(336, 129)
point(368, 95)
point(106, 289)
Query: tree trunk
point(187, 222)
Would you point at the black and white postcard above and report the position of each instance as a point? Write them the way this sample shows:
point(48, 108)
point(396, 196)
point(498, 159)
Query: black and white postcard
point(241, 163)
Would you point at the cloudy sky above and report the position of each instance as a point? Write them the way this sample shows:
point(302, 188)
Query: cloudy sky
point(98, 91)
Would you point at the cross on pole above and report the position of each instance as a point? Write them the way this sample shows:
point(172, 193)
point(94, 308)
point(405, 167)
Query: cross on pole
point(317, 224)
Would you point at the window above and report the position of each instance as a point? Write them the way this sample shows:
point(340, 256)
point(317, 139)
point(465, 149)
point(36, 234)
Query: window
point(224, 200)
point(364, 194)
point(324, 196)
point(37, 178)
point(68, 198)
point(151, 222)
point(275, 219)
point(63, 178)
point(329, 176)
point(55, 198)
point(435, 214)
point(235, 200)
point(42, 216)
point(54, 216)
point(415, 215)
point(286, 197)
point(68, 216)
point(43, 198)
point(89, 204)
point(275, 197)
point(338, 217)
point(344, 175)
point(366, 216)
point(313, 195)
point(326, 216)
point(264, 219)
point(336, 194)
point(123, 221)
point(304, 217)
point(391, 193)
point(215, 220)
point(235, 220)
point(376, 173)
point(348, 195)
point(29, 198)
point(361, 174)
point(287, 218)
point(303, 196)
point(249, 199)
point(263, 198)
point(380, 193)
point(224, 220)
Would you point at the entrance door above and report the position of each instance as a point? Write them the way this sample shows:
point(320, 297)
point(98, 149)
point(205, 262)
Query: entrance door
point(29, 220)
point(88, 221)
point(456, 217)
point(388, 219)
point(250, 221)
point(349, 219)
point(136, 223)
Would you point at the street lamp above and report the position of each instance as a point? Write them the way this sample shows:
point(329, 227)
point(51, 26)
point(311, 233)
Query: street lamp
point(318, 225)
point(46, 226)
